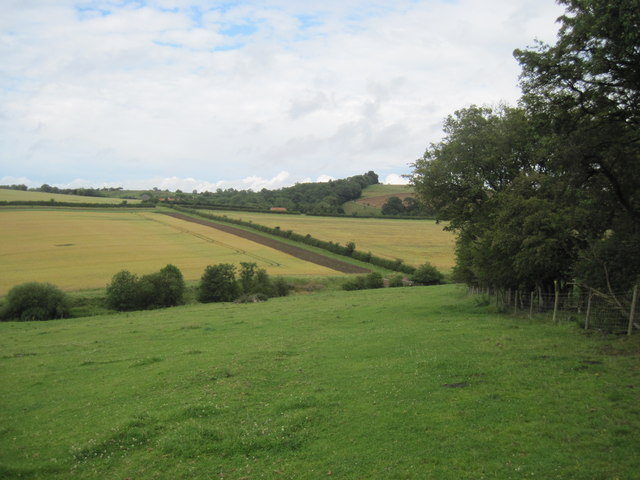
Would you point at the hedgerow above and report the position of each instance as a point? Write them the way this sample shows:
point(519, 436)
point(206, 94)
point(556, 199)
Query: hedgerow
point(333, 247)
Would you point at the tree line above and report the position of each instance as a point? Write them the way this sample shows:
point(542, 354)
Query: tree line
point(547, 193)
point(317, 198)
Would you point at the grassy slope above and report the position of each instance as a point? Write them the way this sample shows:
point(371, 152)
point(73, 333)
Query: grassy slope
point(349, 385)
point(8, 195)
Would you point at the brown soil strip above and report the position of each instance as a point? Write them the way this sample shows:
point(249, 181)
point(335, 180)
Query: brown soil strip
point(294, 251)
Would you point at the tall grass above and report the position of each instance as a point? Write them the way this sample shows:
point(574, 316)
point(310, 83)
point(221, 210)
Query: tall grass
point(396, 383)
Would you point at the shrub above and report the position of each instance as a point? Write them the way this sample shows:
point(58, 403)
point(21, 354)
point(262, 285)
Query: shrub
point(281, 288)
point(157, 290)
point(355, 283)
point(123, 293)
point(167, 287)
point(35, 301)
point(427, 274)
point(218, 284)
point(396, 281)
point(374, 280)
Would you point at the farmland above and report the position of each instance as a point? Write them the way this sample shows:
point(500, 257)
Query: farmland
point(8, 195)
point(414, 241)
point(77, 249)
point(407, 383)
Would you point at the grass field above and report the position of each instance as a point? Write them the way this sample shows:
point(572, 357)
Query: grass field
point(412, 383)
point(8, 195)
point(414, 241)
point(77, 249)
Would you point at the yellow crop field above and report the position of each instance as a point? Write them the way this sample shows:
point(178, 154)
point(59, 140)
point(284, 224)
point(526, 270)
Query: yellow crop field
point(414, 241)
point(8, 195)
point(84, 249)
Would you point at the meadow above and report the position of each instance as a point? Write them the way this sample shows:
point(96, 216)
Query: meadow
point(405, 383)
point(8, 195)
point(414, 241)
point(80, 249)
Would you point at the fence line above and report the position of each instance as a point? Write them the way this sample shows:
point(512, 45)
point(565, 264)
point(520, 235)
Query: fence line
point(616, 313)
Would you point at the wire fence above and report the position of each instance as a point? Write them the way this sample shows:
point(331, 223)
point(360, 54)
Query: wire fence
point(612, 312)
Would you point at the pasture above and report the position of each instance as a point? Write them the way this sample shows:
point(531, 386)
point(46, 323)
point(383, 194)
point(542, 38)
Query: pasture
point(8, 195)
point(79, 249)
point(414, 241)
point(406, 383)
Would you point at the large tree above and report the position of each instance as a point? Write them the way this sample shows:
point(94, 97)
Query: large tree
point(550, 191)
point(586, 89)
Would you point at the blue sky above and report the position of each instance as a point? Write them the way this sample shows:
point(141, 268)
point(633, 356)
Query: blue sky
point(200, 94)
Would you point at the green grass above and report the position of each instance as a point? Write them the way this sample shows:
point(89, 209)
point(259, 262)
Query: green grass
point(396, 384)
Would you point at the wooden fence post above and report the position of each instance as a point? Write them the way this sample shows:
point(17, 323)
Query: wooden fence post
point(586, 318)
point(531, 306)
point(632, 313)
point(555, 302)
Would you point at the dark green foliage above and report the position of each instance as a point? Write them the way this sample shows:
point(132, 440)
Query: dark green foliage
point(218, 284)
point(35, 301)
point(374, 280)
point(393, 206)
point(547, 194)
point(127, 292)
point(281, 288)
point(427, 274)
point(123, 293)
point(363, 282)
point(355, 283)
point(165, 288)
point(396, 281)
point(319, 198)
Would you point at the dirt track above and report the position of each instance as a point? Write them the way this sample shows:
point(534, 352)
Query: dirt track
point(297, 252)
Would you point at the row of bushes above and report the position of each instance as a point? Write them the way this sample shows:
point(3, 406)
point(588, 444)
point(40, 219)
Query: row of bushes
point(166, 288)
point(426, 274)
point(348, 250)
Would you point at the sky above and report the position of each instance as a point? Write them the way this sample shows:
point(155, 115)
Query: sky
point(206, 94)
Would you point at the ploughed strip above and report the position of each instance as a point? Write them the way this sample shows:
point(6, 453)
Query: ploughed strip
point(292, 250)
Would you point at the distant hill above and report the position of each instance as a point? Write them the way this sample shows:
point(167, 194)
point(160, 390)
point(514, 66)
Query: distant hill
point(12, 195)
point(375, 196)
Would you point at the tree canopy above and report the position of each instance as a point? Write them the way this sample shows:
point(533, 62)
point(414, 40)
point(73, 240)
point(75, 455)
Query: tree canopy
point(549, 191)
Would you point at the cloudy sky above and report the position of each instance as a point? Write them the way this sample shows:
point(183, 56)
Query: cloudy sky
point(206, 94)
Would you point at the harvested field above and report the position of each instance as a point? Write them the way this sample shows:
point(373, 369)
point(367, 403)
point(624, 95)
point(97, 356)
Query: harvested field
point(80, 249)
point(292, 250)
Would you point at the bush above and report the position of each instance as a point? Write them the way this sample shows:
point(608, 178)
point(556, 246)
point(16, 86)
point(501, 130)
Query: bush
point(281, 288)
point(427, 274)
point(35, 301)
point(355, 283)
point(165, 288)
point(396, 281)
point(157, 290)
point(374, 280)
point(122, 292)
point(218, 284)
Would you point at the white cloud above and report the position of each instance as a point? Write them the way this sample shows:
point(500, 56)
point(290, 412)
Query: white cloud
point(395, 179)
point(177, 90)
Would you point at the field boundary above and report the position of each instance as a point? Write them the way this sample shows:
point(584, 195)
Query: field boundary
point(301, 253)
